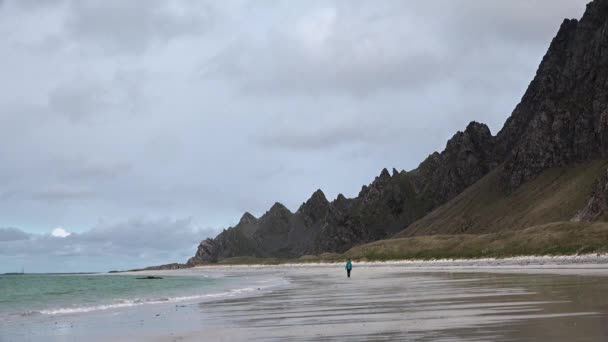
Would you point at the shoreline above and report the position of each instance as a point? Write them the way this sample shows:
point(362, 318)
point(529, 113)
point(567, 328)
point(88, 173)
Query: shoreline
point(405, 300)
point(532, 260)
point(378, 301)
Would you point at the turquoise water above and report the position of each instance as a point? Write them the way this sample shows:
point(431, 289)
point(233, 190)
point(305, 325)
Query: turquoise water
point(26, 295)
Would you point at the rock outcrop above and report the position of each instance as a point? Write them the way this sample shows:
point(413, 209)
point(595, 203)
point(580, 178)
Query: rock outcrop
point(597, 204)
point(467, 157)
point(561, 119)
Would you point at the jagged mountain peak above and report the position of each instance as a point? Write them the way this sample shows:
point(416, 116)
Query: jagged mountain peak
point(278, 207)
point(315, 209)
point(247, 218)
point(316, 201)
point(318, 196)
point(474, 133)
point(384, 174)
point(477, 128)
point(595, 12)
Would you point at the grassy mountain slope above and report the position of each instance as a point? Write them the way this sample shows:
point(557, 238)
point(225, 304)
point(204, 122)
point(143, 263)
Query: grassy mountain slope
point(555, 195)
point(559, 238)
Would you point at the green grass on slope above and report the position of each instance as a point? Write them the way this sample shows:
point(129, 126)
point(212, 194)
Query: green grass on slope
point(555, 195)
point(561, 238)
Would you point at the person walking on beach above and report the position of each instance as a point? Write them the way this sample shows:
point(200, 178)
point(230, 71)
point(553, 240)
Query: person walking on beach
point(349, 267)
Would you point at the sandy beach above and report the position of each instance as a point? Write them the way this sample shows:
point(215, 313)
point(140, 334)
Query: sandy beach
point(520, 299)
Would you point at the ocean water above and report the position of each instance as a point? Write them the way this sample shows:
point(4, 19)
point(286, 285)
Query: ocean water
point(23, 296)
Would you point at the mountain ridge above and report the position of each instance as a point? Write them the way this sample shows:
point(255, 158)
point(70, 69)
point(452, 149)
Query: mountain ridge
point(561, 119)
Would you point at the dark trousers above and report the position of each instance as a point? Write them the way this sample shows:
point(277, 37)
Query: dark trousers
point(348, 273)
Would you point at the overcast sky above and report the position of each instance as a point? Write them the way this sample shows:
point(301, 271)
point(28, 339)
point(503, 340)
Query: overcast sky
point(133, 129)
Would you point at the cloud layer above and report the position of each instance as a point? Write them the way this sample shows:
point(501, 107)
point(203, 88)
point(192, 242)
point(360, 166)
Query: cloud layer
point(123, 245)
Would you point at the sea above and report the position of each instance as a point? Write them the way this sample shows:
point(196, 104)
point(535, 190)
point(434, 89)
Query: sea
point(29, 295)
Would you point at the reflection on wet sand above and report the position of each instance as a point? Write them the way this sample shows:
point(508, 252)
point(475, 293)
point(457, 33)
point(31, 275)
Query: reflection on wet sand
point(389, 304)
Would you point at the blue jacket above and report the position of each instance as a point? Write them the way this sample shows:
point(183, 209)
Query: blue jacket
point(349, 265)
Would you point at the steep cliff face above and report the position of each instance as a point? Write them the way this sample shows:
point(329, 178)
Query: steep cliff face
point(562, 119)
point(563, 115)
point(467, 157)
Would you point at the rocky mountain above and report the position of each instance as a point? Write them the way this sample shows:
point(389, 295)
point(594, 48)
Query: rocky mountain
point(383, 208)
point(563, 115)
point(562, 120)
point(467, 157)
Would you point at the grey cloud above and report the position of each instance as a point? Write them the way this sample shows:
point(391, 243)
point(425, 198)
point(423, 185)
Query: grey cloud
point(78, 101)
point(338, 130)
point(63, 193)
point(131, 26)
point(34, 4)
point(13, 234)
point(359, 48)
point(99, 172)
point(326, 49)
point(137, 234)
point(84, 100)
point(85, 169)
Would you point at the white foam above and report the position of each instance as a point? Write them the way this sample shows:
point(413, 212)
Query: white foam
point(125, 303)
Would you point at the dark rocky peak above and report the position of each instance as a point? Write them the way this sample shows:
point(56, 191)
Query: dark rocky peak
point(474, 136)
point(382, 184)
point(278, 214)
point(318, 197)
point(380, 180)
point(247, 218)
point(595, 14)
point(342, 204)
point(316, 208)
point(477, 130)
point(278, 209)
point(384, 175)
point(317, 201)
point(467, 157)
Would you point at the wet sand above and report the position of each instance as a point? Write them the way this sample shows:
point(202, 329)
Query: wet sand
point(400, 303)
point(440, 301)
